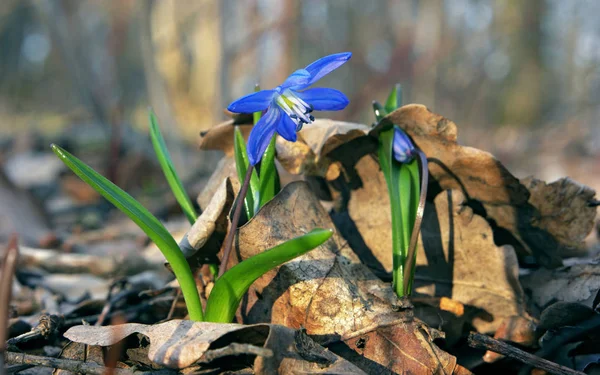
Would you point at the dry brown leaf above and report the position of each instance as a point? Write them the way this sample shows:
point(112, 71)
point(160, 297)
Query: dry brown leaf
point(309, 154)
point(576, 283)
point(505, 200)
point(457, 258)
point(220, 137)
point(444, 268)
point(517, 329)
point(331, 294)
point(564, 210)
point(203, 241)
point(530, 221)
point(182, 343)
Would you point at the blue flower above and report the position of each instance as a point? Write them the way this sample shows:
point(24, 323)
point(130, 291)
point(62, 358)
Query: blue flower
point(403, 148)
point(289, 109)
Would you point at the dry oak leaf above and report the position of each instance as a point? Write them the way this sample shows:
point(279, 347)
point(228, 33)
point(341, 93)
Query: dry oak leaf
point(456, 255)
point(182, 343)
point(202, 242)
point(308, 155)
point(564, 210)
point(541, 222)
point(220, 137)
point(332, 295)
point(457, 258)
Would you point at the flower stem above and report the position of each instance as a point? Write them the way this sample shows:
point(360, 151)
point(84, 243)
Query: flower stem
point(235, 220)
point(409, 269)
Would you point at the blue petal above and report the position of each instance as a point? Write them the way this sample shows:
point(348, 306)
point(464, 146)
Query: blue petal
point(261, 134)
point(297, 80)
point(287, 127)
point(324, 99)
point(254, 102)
point(326, 65)
point(403, 148)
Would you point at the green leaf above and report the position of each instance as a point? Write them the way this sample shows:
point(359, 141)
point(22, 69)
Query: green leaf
point(379, 111)
point(268, 176)
point(231, 287)
point(394, 100)
point(164, 158)
point(146, 221)
point(252, 199)
point(391, 171)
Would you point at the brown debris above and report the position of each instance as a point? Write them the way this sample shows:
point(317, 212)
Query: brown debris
point(331, 294)
point(182, 343)
point(220, 137)
point(455, 270)
point(528, 220)
point(576, 283)
point(517, 329)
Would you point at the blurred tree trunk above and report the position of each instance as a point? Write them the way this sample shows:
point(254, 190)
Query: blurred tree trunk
point(187, 55)
point(524, 95)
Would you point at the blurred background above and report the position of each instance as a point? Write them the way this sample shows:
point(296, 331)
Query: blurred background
point(521, 79)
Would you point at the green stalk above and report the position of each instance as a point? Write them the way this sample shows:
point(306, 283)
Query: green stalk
point(391, 171)
point(268, 176)
point(252, 200)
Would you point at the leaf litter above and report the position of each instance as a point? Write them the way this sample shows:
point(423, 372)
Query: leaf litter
point(332, 310)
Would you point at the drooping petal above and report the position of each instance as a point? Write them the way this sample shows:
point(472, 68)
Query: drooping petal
point(403, 148)
point(325, 65)
point(254, 102)
point(324, 99)
point(261, 134)
point(287, 128)
point(297, 80)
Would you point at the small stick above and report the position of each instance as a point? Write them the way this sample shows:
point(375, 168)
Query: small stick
point(414, 237)
point(88, 368)
point(172, 309)
point(479, 341)
point(234, 221)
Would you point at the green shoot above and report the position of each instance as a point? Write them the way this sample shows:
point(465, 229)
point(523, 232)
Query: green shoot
point(164, 158)
point(146, 221)
point(229, 289)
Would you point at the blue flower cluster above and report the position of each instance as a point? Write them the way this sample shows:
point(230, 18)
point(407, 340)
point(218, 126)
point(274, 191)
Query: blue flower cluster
point(287, 108)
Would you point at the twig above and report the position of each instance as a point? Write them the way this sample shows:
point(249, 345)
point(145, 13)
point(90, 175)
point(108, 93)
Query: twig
point(110, 300)
point(172, 309)
point(414, 237)
point(47, 326)
point(235, 221)
point(477, 340)
point(235, 349)
point(88, 368)
point(6, 277)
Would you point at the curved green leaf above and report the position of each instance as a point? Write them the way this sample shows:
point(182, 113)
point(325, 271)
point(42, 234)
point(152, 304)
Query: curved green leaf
point(231, 287)
point(164, 158)
point(394, 100)
point(146, 221)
